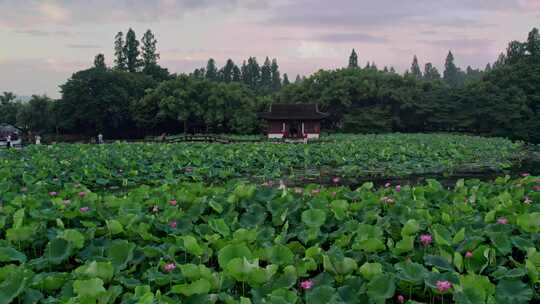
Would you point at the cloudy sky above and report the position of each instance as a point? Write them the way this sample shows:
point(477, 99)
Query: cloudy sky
point(44, 41)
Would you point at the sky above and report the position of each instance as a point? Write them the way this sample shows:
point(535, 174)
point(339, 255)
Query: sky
point(43, 42)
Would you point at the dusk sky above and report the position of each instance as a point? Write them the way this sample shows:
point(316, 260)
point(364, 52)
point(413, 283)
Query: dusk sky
point(44, 42)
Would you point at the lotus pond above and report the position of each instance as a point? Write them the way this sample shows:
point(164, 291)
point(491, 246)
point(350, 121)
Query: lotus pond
point(184, 223)
point(238, 243)
point(351, 157)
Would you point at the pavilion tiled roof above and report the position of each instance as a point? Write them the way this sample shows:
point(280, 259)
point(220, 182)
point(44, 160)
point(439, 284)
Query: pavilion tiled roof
point(300, 111)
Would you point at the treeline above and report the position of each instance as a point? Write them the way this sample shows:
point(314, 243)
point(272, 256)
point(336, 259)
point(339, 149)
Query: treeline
point(137, 96)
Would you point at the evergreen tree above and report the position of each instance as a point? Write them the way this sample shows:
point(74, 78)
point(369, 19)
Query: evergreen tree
point(501, 60)
point(236, 74)
point(211, 70)
point(266, 74)
point(353, 60)
point(415, 68)
point(253, 73)
point(374, 66)
point(488, 68)
point(149, 52)
point(451, 73)
point(368, 66)
point(298, 79)
point(131, 52)
point(285, 79)
point(385, 69)
point(392, 70)
point(99, 61)
point(276, 77)
point(431, 73)
point(227, 71)
point(119, 55)
point(245, 73)
point(533, 44)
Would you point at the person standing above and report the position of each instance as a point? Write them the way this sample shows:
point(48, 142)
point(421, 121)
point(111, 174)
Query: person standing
point(100, 138)
point(38, 140)
point(8, 141)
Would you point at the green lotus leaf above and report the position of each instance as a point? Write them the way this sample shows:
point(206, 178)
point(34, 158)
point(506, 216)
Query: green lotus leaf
point(9, 254)
point(282, 295)
point(340, 266)
point(115, 227)
point(459, 236)
point(21, 234)
point(513, 291)
point(529, 222)
point(50, 281)
point(12, 285)
point(406, 244)
point(442, 236)
point(320, 295)
point(92, 288)
point(477, 287)
point(410, 228)
point(281, 255)
point(192, 245)
point(314, 218)
point(219, 226)
point(340, 209)
point(233, 251)
point(410, 272)
point(439, 262)
point(74, 236)
point(381, 287)
point(102, 270)
point(57, 251)
point(120, 253)
point(370, 270)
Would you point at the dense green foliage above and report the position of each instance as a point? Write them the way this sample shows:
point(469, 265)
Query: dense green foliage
point(351, 157)
point(140, 97)
point(189, 243)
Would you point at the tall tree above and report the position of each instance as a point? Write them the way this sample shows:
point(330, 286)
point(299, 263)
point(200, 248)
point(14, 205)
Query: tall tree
point(211, 70)
point(533, 44)
point(131, 52)
point(488, 68)
point(276, 77)
point(415, 68)
point(99, 61)
point(251, 73)
point(8, 108)
point(266, 75)
point(353, 60)
point(149, 50)
point(451, 73)
point(236, 74)
point(119, 54)
point(227, 71)
point(298, 79)
point(286, 79)
point(431, 73)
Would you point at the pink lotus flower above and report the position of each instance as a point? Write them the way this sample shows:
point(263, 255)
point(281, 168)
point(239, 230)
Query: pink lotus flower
point(400, 299)
point(84, 209)
point(525, 174)
point(53, 193)
point(502, 221)
point(307, 284)
point(398, 188)
point(387, 185)
point(536, 188)
point(426, 239)
point(527, 200)
point(443, 286)
point(468, 254)
point(82, 194)
point(172, 224)
point(173, 202)
point(336, 179)
point(155, 209)
point(66, 202)
point(169, 267)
